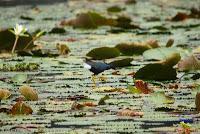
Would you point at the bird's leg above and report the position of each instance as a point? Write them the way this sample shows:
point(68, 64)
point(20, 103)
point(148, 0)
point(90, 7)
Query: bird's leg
point(93, 79)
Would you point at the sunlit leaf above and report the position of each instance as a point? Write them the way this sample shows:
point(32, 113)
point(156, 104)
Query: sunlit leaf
point(19, 78)
point(109, 89)
point(159, 98)
point(29, 93)
point(63, 49)
point(142, 86)
point(128, 112)
point(4, 94)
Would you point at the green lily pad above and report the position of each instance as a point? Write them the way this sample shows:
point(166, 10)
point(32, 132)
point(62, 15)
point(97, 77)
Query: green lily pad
point(122, 63)
point(19, 78)
point(103, 53)
point(156, 71)
point(160, 53)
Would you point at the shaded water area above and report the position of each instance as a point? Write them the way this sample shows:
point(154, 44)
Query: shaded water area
point(61, 81)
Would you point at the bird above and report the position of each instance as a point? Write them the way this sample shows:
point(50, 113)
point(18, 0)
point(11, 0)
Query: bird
point(96, 67)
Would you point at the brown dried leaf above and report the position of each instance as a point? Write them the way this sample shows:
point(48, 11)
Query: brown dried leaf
point(29, 93)
point(128, 112)
point(197, 101)
point(63, 49)
point(180, 17)
point(21, 108)
point(143, 86)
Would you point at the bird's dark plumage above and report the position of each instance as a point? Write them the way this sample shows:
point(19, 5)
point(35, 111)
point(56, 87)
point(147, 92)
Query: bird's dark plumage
point(98, 67)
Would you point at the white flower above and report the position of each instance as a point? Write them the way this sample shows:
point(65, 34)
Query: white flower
point(19, 30)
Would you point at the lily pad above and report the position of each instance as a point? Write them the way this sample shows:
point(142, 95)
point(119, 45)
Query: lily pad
point(136, 48)
point(103, 53)
point(19, 78)
point(156, 71)
point(160, 53)
point(122, 63)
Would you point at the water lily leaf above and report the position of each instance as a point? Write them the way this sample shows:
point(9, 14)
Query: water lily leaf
point(190, 63)
point(170, 42)
point(4, 94)
point(89, 20)
point(122, 63)
point(114, 9)
point(159, 98)
point(160, 53)
point(136, 48)
point(29, 93)
point(103, 53)
point(57, 30)
point(19, 78)
point(128, 112)
point(156, 71)
point(197, 101)
point(21, 108)
point(125, 22)
point(7, 40)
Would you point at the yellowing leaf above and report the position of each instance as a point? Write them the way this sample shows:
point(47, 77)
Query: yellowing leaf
point(21, 108)
point(29, 93)
point(4, 94)
point(128, 112)
point(160, 98)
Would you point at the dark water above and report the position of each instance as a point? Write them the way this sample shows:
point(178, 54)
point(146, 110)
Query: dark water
point(5, 3)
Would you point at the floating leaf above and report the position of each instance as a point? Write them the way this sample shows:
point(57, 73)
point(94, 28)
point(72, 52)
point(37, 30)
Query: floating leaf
point(160, 53)
point(170, 42)
point(142, 86)
point(57, 30)
point(114, 9)
point(190, 63)
point(180, 17)
point(4, 94)
point(103, 53)
point(63, 49)
point(156, 71)
point(89, 20)
point(125, 22)
point(136, 48)
point(19, 78)
point(21, 108)
point(197, 101)
point(7, 40)
point(29, 93)
point(159, 98)
point(122, 63)
point(128, 112)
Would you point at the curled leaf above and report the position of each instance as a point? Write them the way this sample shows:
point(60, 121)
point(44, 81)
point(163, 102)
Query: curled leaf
point(4, 94)
point(170, 42)
point(103, 53)
point(128, 112)
point(190, 63)
point(103, 99)
point(109, 89)
point(21, 108)
point(137, 47)
point(180, 17)
point(29, 93)
point(142, 86)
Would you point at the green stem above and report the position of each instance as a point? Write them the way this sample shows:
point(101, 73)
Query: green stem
point(34, 38)
point(14, 46)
